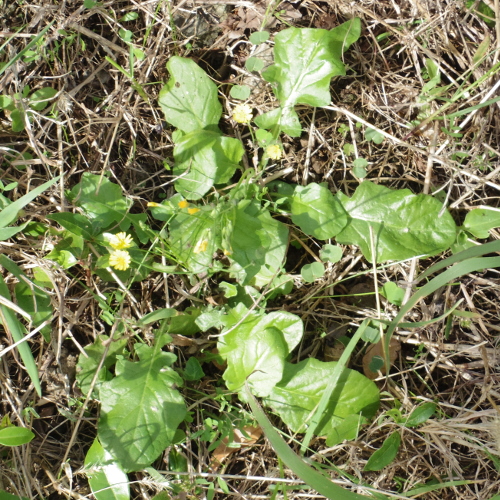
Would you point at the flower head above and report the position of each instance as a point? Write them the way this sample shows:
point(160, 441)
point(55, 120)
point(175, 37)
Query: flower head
point(183, 204)
point(120, 260)
point(201, 246)
point(120, 241)
point(242, 113)
point(274, 152)
point(192, 211)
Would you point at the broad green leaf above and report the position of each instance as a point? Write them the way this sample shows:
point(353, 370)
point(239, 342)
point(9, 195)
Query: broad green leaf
point(317, 212)
point(404, 225)
point(37, 303)
point(301, 388)
point(305, 61)
point(195, 237)
point(40, 98)
point(311, 272)
point(107, 479)
point(101, 199)
point(253, 353)
point(68, 251)
point(193, 370)
point(479, 221)
point(87, 366)
point(15, 436)
point(8, 496)
point(330, 253)
point(204, 158)
point(259, 37)
point(189, 99)
point(17, 118)
point(184, 322)
point(347, 430)
point(258, 243)
point(140, 407)
point(75, 223)
point(241, 92)
point(254, 64)
point(6, 102)
point(374, 136)
point(9, 213)
point(291, 326)
point(393, 293)
point(385, 454)
point(421, 414)
point(11, 324)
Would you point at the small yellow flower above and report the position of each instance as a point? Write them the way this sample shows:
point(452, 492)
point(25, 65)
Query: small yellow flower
point(274, 152)
point(183, 204)
point(153, 204)
point(120, 241)
point(242, 113)
point(120, 260)
point(201, 246)
point(227, 252)
point(192, 211)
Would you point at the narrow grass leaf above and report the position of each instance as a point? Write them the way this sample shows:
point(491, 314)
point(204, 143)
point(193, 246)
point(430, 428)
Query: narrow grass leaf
point(385, 454)
point(311, 477)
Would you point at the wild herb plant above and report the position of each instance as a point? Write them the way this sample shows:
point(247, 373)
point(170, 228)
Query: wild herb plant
point(229, 231)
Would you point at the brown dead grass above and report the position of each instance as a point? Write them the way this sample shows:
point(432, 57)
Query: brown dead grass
point(106, 126)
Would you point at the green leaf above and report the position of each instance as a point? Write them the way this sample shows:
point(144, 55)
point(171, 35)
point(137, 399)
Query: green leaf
point(101, 199)
point(479, 221)
point(301, 388)
point(259, 37)
point(241, 92)
point(107, 479)
point(374, 136)
point(15, 436)
point(347, 430)
point(421, 414)
point(157, 315)
point(17, 118)
point(330, 253)
point(9, 213)
point(87, 366)
point(193, 370)
point(481, 50)
point(317, 212)
point(194, 238)
point(75, 223)
point(37, 303)
point(254, 64)
point(404, 225)
point(305, 61)
point(11, 324)
point(140, 407)
point(256, 349)
point(309, 475)
point(204, 158)
point(8, 232)
point(39, 99)
point(258, 243)
point(311, 272)
point(189, 99)
point(129, 16)
point(7, 496)
point(393, 293)
point(6, 102)
point(385, 454)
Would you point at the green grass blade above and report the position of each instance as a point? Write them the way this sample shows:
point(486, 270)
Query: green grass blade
point(9, 213)
point(416, 492)
point(337, 372)
point(16, 329)
point(477, 251)
point(459, 269)
point(28, 47)
point(310, 476)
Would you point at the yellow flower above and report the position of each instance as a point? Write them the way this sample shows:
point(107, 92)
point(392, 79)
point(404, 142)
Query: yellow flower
point(120, 260)
point(183, 204)
point(242, 113)
point(192, 211)
point(274, 152)
point(153, 204)
point(120, 241)
point(227, 252)
point(201, 246)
